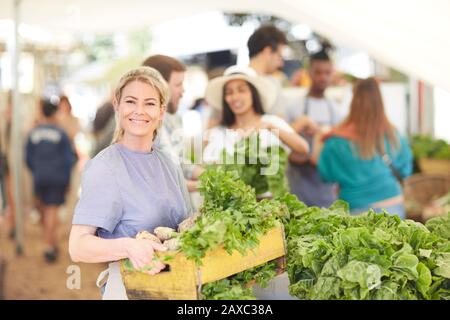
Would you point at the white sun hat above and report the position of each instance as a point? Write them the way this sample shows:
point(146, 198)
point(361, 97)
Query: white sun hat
point(266, 89)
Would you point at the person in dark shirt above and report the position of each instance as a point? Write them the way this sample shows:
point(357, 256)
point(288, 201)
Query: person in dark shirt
point(50, 157)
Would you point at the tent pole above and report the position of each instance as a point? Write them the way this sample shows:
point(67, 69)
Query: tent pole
point(16, 134)
point(413, 107)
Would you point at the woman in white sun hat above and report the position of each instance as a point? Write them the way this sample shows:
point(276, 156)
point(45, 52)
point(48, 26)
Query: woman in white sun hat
point(244, 98)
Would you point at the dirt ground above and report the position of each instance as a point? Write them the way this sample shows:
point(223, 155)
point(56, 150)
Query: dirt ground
point(30, 277)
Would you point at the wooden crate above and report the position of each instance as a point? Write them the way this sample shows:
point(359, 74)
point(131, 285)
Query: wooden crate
point(420, 190)
point(184, 279)
point(434, 166)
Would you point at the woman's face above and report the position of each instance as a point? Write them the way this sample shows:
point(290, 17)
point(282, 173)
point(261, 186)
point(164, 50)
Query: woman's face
point(139, 109)
point(238, 96)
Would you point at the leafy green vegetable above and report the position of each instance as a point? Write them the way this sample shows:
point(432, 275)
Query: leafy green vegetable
point(333, 255)
point(440, 226)
point(427, 147)
point(330, 254)
point(237, 287)
point(262, 168)
point(226, 289)
point(261, 274)
point(231, 216)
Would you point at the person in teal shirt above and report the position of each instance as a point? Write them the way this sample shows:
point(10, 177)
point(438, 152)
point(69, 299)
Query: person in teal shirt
point(356, 153)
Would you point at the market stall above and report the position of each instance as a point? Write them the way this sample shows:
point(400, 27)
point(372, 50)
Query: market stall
point(329, 253)
point(249, 230)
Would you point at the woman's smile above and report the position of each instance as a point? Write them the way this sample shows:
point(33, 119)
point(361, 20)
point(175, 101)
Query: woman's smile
point(139, 121)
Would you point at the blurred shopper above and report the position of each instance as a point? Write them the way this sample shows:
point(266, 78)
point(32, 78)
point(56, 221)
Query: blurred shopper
point(243, 98)
point(129, 187)
point(173, 72)
point(103, 127)
point(50, 157)
point(366, 156)
point(314, 114)
point(66, 120)
point(265, 48)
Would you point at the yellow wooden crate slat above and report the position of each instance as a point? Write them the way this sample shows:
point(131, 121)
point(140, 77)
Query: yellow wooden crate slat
point(180, 283)
point(184, 279)
point(218, 264)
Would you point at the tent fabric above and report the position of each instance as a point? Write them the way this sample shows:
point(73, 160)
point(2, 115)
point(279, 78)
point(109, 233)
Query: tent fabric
point(409, 35)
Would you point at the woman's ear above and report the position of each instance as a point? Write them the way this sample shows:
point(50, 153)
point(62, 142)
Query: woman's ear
point(115, 104)
point(162, 112)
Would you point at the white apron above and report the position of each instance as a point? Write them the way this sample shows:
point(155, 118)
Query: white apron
point(114, 287)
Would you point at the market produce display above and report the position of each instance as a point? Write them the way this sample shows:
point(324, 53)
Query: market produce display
point(332, 255)
point(437, 208)
point(440, 225)
point(427, 147)
point(239, 287)
point(251, 161)
point(230, 216)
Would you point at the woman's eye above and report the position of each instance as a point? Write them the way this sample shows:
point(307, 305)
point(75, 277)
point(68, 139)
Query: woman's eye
point(129, 101)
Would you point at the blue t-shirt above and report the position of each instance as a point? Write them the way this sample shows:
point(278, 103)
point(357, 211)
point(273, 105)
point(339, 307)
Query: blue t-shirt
point(363, 182)
point(50, 156)
point(124, 192)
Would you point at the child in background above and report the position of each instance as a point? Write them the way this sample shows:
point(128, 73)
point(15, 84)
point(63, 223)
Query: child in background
point(50, 157)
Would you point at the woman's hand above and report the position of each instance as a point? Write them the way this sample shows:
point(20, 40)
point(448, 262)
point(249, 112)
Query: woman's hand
point(141, 253)
point(305, 124)
point(265, 125)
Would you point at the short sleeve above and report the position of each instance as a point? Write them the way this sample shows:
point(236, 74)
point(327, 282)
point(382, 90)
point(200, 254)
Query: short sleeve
point(181, 181)
point(278, 122)
point(100, 202)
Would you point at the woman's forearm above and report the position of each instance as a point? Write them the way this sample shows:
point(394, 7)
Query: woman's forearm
point(297, 158)
point(317, 149)
point(192, 185)
point(197, 172)
point(89, 248)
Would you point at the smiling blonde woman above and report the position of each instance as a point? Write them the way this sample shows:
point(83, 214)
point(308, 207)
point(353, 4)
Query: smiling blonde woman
point(130, 186)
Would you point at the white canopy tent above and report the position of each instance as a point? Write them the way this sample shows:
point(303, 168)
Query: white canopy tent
point(409, 35)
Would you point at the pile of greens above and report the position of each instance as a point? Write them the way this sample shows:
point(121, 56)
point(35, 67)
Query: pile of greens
point(262, 168)
point(440, 226)
point(237, 286)
point(427, 147)
point(332, 255)
point(230, 216)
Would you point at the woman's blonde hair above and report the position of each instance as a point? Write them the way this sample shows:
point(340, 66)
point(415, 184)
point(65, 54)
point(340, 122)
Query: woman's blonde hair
point(146, 75)
point(368, 117)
